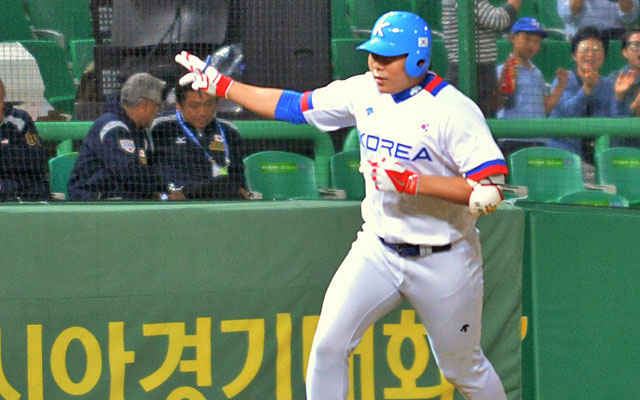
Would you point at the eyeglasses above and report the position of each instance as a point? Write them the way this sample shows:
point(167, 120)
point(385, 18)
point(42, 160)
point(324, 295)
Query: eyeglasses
point(634, 46)
point(585, 48)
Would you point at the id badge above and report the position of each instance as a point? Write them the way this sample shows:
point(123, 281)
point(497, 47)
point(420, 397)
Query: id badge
point(217, 170)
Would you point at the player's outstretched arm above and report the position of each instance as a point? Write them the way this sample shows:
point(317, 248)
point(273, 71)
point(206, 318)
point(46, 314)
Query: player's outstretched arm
point(262, 101)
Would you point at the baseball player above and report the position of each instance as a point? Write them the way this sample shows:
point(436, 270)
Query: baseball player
point(431, 166)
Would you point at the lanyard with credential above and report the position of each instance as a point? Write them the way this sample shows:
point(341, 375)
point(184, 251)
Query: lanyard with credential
point(216, 169)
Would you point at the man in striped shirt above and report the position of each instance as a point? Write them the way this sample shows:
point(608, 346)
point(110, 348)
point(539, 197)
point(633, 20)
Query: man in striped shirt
point(490, 22)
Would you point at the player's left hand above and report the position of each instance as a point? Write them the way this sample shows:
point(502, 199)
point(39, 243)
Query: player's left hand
point(391, 176)
point(210, 80)
point(486, 195)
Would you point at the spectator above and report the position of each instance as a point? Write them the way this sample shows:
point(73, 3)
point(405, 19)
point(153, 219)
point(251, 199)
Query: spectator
point(609, 16)
point(112, 163)
point(522, 91)
point(587, 94)
point(490, 22)
point(627, 85)
point(23, 163)
point(196, 151)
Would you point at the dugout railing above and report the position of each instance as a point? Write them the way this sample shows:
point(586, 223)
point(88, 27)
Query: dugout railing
point(600, 128)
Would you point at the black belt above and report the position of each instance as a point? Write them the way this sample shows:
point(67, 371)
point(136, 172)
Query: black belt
point(413, 250)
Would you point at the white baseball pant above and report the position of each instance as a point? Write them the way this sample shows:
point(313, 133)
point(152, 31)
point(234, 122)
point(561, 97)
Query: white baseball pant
point(446, 291)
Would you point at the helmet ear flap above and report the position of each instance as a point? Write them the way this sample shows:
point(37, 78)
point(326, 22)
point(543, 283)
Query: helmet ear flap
point(412, 64)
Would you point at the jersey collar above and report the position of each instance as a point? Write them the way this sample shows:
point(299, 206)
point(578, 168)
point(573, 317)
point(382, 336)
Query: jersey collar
point(431, 82)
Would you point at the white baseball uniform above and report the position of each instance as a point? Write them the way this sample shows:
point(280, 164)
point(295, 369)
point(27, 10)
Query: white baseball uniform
point(435, 130)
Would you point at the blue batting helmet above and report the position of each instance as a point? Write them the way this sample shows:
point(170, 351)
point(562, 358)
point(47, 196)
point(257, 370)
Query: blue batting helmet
point(400, 32)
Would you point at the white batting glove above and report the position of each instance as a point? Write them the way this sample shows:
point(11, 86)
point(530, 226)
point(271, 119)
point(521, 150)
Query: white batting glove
point(486, 195)
point(210, 81)
point(391, 176)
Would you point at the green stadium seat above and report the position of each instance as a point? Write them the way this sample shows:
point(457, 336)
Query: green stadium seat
point(615, 60)
point(340, 27)
point(431, 11)
point(352, 141)
point(439, 60)
point(279, 175)
point(14, 21)
point(60, 169)
point(345, 174)
point(346, 60)
point(549, 18)
point(548, 173)
point(362, 14)
point(64, 147)
point(59, 89)
point(620, 166)
point(552, 55)
point(81, 51)
point(594, 198)
point(71, 18)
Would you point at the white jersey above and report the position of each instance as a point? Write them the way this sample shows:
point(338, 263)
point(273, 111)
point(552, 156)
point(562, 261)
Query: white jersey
point(432, 129)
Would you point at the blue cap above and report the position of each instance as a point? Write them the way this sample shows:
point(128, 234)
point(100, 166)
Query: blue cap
point(528, 25)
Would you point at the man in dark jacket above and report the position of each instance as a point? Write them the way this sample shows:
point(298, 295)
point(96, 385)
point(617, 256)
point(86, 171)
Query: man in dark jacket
point(23, 162)
point(113, 161)
point(196, 152)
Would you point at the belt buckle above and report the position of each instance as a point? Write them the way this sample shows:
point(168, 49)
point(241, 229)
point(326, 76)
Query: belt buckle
point(407, 250)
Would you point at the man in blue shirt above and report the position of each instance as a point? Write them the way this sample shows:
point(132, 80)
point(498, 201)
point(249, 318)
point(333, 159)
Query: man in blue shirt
point(112, 163)
point(23, 162)
point(627, 85)
point(627, 80)
point(196, 151)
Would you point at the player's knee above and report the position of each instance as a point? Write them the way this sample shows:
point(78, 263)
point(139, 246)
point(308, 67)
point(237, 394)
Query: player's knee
point(458, 368)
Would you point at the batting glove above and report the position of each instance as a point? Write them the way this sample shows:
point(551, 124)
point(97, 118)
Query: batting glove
point(210, 81)
point(391, 176)
point(486, 195)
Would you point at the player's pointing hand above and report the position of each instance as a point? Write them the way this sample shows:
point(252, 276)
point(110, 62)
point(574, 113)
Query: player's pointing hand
point(202, 76)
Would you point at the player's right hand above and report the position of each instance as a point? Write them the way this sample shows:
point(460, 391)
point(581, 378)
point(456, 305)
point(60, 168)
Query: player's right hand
point(391, 176)
point(210, 81)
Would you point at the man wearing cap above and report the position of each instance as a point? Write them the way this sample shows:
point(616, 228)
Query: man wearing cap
point(112, 163)
point(521, 85)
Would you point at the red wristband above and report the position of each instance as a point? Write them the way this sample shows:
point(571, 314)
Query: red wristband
point(223, 86)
